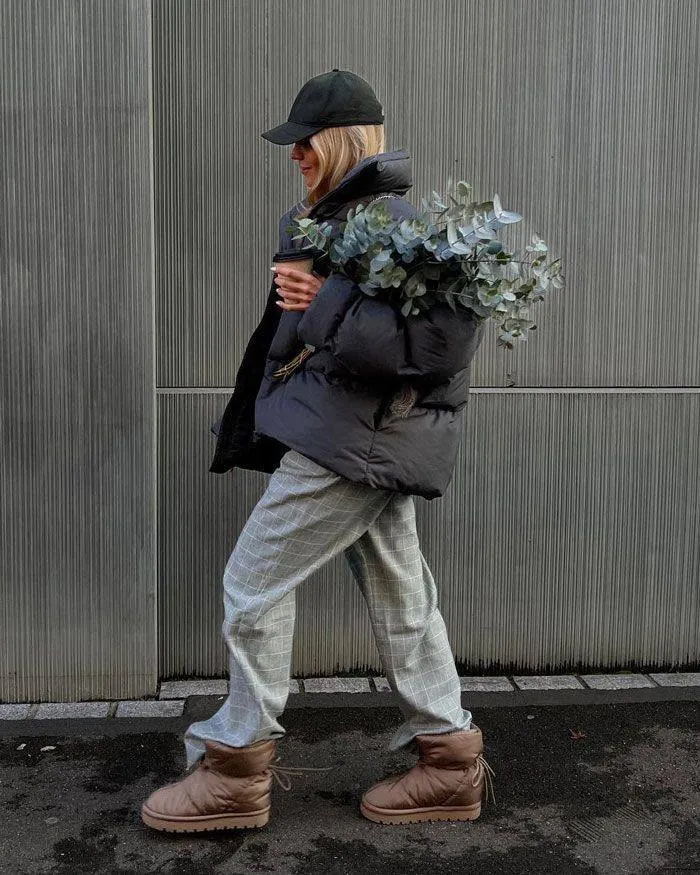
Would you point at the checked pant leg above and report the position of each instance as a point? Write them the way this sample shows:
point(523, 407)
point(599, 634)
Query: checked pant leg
point(400, 592)
point(307, 516)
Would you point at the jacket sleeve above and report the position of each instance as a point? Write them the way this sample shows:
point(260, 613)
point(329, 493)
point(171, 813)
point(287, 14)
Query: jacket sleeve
point(371, 339)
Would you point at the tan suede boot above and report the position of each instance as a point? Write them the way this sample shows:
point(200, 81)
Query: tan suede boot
point(229, 789)
point(447, 783)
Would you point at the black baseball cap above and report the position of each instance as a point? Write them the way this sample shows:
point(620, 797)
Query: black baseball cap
point(331, 100)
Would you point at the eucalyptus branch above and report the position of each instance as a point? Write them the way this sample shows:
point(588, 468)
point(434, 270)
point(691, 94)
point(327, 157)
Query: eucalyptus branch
point(448, 253)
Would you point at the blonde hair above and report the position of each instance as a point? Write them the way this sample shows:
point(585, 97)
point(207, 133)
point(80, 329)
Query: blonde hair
point(339, 150)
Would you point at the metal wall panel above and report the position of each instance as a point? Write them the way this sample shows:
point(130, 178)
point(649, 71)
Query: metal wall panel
point(583, 114)
point(201, 516)
point(76, 362)
point(569, 538)
point(574, 531)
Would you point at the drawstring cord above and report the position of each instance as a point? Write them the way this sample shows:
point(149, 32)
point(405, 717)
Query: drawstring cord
point(404, 401)
point(287, 370)
point(284, 775)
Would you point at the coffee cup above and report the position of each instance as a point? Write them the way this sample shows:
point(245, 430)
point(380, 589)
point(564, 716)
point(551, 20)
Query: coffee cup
point(299, 259)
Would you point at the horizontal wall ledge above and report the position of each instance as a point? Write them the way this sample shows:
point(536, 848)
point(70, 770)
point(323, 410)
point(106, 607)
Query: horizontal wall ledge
point(488, 390)
point(585, 390)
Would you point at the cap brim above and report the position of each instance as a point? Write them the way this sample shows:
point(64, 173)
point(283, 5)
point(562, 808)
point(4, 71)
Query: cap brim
point(290, 132)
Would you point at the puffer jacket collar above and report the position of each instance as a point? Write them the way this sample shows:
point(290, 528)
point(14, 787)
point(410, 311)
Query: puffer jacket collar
point(389, 172)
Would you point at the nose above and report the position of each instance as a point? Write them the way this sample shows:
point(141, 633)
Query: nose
point(297, 153)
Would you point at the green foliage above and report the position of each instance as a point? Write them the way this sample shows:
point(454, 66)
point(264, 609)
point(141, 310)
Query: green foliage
point(449, 253)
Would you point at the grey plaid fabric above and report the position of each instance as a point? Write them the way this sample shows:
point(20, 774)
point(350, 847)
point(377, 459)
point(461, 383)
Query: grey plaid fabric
point(307, 516)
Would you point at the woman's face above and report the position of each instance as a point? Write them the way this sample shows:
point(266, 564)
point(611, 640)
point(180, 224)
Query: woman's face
point(303, 152)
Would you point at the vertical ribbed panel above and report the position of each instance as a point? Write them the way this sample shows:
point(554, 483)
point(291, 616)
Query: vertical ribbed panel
point(201, 516)
point(76, 359)
point(582, 114)
point(578, 546)
point(569, 538)
point(216, 226)
point(574, 531)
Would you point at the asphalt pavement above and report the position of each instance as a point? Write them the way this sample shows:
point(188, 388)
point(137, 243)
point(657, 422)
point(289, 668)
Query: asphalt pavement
point(580, 788)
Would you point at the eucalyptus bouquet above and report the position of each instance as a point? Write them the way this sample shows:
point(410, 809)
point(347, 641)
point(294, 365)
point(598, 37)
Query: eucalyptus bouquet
point(449, 252)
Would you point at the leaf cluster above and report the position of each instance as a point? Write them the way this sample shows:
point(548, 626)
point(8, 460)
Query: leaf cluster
point(449, 253)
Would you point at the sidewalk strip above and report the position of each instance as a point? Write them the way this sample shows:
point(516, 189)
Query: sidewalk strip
point(68, 710)
point(486, 685)
point(548, 682)
point(183, 689)
point(151, 708)
point(336, 685)
point(173, 695)
point(14, 712)
point(616, 681)
point(680, 679)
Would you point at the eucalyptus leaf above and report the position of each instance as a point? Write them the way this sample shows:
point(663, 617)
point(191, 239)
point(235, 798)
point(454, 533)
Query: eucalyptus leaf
point(509, 218)
point(460, 248)
point(369, 290)
point(452, 235)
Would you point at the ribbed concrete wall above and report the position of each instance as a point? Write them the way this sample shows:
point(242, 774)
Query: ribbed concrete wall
point(569, 534)
point(76, 359)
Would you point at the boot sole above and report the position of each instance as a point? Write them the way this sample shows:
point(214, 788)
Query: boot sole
point(204, 823)
point(420, 815)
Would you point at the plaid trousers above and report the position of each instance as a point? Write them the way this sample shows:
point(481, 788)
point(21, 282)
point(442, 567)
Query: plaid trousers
point(307, 516)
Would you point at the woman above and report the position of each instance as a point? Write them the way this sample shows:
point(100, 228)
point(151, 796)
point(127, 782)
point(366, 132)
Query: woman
point(350, 430)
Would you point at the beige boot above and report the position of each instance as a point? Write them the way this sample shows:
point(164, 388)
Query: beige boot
point(229, 789)
point(447, 783)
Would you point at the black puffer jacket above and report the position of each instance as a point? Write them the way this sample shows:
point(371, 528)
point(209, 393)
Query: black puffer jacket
point(380, 399)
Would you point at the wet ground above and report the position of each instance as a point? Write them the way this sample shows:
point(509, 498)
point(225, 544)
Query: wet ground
point(610, 789)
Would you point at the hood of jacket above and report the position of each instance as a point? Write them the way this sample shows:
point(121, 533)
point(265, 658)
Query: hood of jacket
point(386, 173)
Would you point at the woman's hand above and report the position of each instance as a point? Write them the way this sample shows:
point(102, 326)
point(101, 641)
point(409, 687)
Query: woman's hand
point(296, 288)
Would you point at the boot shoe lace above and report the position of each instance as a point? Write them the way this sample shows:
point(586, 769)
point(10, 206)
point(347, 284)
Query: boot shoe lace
point(485, 772)
point(284, 774)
